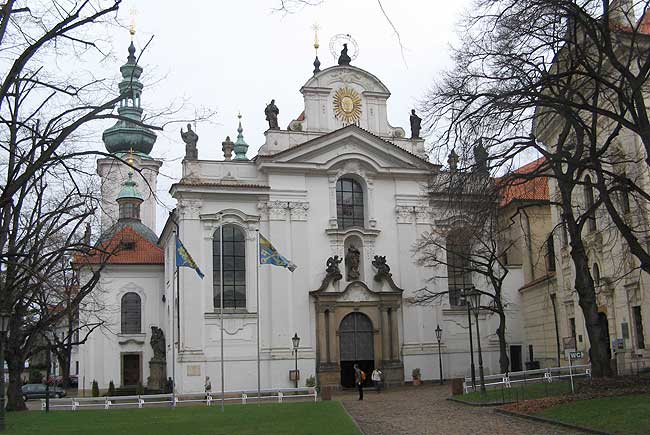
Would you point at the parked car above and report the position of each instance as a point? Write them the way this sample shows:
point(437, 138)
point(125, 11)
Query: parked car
point(37, 391)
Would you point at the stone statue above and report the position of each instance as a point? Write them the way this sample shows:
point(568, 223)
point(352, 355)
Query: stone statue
point(452, 160)
point(352, 261)
point(344, 58)
point(333, 265)
point(190, 138)
point(158, 344)
point(380, 264)
point(227, 146)
point(272, 113)
point(481, 158)
point(416, 125)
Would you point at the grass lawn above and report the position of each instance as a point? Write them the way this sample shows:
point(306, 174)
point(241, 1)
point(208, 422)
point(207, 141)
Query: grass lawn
point(287, 418)
point(518, 392)
point(629, 415)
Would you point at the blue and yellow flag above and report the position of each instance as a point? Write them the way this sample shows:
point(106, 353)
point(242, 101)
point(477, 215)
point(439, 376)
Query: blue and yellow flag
point(269, 255)
point(184, 259)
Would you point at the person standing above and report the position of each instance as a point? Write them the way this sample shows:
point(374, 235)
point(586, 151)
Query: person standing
point(359, 377)
point(376, 379)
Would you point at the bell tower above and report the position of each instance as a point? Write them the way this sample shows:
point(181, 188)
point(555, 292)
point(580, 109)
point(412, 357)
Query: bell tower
point(128, 140)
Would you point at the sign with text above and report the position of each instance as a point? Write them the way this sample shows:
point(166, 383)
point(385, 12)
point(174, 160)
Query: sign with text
point(576, 355)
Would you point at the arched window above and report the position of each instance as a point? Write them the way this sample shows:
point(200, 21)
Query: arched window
point(131, 314)
point(234, 267)
point(589, 203)
point(349, 203)
point(459, 275)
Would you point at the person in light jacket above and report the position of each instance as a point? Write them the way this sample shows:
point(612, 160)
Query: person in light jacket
point(376, 379)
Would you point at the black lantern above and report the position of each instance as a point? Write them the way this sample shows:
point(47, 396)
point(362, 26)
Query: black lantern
point(296, 341)
point(474, 297)
point(438, 333)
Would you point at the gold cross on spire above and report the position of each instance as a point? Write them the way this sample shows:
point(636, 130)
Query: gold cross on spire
point(133, 12)
point(316, 28)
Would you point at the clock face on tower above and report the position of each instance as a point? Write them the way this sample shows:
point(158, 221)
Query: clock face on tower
point(347, 106)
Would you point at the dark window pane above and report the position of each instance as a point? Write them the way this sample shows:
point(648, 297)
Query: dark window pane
point(131, 313)
point(234, 268)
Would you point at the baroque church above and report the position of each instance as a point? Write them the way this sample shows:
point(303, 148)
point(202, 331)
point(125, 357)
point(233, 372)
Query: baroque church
point(340, 192)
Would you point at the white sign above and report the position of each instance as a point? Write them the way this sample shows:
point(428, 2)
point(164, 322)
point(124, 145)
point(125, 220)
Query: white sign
point(576, 355)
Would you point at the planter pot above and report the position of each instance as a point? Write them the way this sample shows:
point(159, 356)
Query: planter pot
point(416, 382)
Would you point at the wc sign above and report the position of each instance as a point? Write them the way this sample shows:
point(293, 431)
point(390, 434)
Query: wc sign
point(576, 355)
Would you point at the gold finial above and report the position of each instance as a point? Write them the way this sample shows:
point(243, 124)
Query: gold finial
point(316, 28)
point(132, 27)
point(130, 159)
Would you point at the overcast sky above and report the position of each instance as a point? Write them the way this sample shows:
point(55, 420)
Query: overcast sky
point(232, 56)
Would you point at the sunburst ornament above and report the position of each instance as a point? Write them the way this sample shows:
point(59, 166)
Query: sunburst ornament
point(347, 106)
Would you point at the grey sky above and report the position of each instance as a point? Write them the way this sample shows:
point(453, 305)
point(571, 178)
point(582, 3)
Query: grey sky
point(234, 56)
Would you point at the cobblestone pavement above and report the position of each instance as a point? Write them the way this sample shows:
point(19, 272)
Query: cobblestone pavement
point(425, 410)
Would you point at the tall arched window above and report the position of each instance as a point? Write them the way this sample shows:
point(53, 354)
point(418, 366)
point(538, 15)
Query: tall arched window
point(234, 267)
point(589, 203)
point(131, 314)
point(459, 275)
point(349, 203)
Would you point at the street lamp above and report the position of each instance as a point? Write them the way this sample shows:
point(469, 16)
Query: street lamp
point(439, 336)
point(465, 294)
point(5, 317)
point(296, 342)
point(475, 301)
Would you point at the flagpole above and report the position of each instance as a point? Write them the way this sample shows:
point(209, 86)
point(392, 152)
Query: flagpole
point(257, 270)
point(221, 310)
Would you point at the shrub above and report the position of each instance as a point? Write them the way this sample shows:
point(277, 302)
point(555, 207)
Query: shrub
point(111, 389)
point(139, 389)
point(416, 373)
point(95, 389)
point(310, 381)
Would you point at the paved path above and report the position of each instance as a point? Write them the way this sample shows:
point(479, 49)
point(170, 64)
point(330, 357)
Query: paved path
point(425, 410)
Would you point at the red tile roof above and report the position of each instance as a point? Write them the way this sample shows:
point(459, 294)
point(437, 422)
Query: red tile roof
point(143, 251)
point(515, 187)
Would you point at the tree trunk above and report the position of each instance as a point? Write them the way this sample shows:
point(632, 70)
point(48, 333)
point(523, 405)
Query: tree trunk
point(15, 400)
point(599, 352)
point(504, 361)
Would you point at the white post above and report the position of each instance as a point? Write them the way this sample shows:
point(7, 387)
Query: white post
point(571, 374)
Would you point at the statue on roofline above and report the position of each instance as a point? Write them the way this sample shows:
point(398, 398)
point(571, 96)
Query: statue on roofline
point(190, 138)
point(272, 113)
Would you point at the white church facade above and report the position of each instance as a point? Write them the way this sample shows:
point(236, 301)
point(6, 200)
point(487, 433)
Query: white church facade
point(341, 193)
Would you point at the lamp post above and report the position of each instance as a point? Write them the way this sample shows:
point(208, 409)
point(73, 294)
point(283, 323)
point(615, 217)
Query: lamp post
point(439, 336)
point(4, 327)
point(296, 342)
point(475, 300)
point(465, 293)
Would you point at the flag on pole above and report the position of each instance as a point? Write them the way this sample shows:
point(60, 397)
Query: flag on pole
point(184, 259)
point(269, 255)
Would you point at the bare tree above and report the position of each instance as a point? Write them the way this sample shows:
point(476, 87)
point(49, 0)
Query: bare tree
point(471, 249)
point(566, 80)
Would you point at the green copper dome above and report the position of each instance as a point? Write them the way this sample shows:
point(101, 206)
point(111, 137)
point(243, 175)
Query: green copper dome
point(129, 190)
point(126, 135)
point(241, 147)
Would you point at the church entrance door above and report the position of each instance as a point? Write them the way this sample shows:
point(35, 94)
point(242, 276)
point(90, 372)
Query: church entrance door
point(356, 347)
point(131, 369)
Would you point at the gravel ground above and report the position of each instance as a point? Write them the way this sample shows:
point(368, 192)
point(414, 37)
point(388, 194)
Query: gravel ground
point(425, 410)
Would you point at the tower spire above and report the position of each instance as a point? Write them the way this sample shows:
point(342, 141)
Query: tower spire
point(240, 144)
point(316, 28)
point(125, 135)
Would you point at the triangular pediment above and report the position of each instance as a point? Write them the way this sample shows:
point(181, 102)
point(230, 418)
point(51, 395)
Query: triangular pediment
point(347, 143)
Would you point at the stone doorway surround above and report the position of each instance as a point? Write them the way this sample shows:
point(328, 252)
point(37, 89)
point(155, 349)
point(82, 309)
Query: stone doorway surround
point(381, 304)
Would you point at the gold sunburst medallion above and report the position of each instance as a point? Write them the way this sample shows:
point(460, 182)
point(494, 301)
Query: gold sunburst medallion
point(347, 106)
